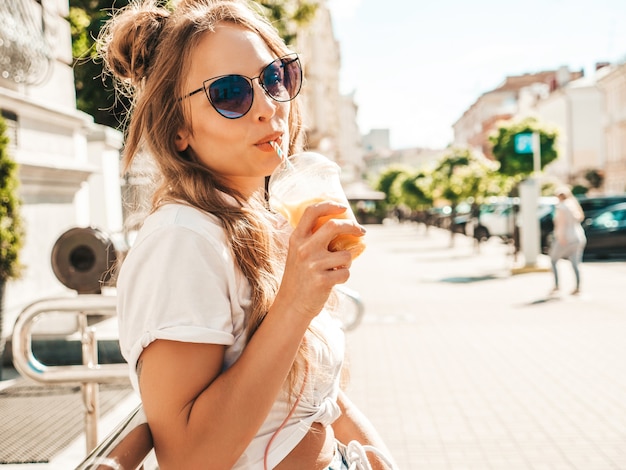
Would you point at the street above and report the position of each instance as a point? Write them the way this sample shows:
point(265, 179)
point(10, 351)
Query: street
point(461, 365)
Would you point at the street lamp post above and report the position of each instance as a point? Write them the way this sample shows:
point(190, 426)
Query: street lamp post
point(528, 143)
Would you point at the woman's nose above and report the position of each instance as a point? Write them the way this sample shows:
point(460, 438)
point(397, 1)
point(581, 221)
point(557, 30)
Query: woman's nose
point(263, 106)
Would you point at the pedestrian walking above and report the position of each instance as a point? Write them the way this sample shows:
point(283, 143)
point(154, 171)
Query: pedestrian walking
point(224, 311)
point(569, 236)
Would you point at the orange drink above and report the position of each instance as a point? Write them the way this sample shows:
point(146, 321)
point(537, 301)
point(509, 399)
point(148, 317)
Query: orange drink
point(305, 179)
point(293, 213)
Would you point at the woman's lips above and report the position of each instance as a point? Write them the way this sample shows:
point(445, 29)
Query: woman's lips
point(265, 145)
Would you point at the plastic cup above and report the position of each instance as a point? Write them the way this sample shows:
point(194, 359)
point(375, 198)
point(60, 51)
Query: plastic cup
point(305, 179)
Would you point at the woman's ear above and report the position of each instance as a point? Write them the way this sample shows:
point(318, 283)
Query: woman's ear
point(182, 141)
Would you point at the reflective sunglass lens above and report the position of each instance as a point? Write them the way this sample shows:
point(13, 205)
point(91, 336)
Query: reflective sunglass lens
point(282, 78)
point(272, 80)
point(231, 96)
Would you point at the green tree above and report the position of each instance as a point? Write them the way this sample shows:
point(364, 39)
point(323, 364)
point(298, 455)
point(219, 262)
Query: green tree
point(461, 175)
point(289, 15)
point(11, 228)
point(513, 163)
point(416, 191)
point(95, 93)
point(386, 184)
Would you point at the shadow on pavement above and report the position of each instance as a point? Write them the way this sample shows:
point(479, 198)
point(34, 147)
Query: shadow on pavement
point(541, 301)
point(469, 279)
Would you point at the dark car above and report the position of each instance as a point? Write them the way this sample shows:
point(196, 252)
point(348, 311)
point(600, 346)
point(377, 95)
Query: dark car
point(594, 205)
point(546, 230)
point(606, 232)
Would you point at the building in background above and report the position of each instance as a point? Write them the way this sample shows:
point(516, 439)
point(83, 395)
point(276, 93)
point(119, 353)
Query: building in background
point(589, 112)
point(68, 166)
point(577, 110)
point(319, 49)
point(517, 95)
point(329, 117)
point(377, 141)
point(350, 150)
point(613, 84)
point(378, 154)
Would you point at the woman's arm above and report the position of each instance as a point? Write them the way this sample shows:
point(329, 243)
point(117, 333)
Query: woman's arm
point(202, 417)
point(353, 425)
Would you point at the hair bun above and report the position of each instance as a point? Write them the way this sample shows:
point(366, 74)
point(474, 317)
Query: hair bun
point(130, 40)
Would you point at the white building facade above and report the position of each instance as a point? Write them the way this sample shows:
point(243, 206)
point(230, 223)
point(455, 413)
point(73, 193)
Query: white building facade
point(68, 166)
point(614, 86)
point(320, 93)
point(577, 110)
point(329, 117)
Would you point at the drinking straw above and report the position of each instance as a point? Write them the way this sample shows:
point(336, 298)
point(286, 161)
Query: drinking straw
point(278, 150)
point(280, 153)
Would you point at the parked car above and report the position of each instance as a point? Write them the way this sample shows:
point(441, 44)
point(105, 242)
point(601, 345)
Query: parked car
point(439, 216)
point(462, 218)
point(594, 205)
point(499, 217)
point(606, 232)
point(496, 218)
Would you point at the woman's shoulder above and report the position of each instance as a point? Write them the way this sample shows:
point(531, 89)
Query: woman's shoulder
point(182, 216)
point(179, 222)
point(178, 237)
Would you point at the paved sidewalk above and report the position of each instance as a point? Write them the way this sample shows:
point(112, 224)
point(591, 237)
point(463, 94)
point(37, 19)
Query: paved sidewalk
point(462, 365)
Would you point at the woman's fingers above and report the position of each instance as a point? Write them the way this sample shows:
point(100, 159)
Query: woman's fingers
point(320, 212)
point(330, 219)
point(312, 270)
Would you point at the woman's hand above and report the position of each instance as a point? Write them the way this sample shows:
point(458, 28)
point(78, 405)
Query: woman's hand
point(311, 270)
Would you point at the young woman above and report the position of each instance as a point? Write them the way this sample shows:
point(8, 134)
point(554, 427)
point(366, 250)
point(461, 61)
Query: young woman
point(569, 236)
point(222, 308)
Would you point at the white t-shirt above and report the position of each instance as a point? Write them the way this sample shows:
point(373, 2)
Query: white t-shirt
point(180, 282)
point(567, 223)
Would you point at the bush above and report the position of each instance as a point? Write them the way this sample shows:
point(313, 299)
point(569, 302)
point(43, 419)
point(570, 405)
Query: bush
point(11, 230)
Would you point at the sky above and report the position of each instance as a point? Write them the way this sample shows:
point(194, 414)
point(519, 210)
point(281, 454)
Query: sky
point(415, 66)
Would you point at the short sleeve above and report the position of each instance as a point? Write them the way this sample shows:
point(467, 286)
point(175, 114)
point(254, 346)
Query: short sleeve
point(175, 284)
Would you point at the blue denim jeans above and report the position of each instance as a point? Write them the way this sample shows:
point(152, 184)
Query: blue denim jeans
point(339, 461)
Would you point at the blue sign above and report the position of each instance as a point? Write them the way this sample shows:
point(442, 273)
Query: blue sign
point(524, 143)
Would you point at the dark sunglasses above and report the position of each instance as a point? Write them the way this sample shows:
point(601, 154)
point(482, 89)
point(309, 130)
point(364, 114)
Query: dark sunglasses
point(232, 95)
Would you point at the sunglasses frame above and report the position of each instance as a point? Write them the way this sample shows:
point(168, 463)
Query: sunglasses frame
point(286, 59)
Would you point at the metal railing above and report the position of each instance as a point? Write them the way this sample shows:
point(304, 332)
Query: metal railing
point(128, 447)
point(90, 373)
point(351, 312)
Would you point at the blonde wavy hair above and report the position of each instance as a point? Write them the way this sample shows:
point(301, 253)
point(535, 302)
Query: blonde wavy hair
point(148, 48)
